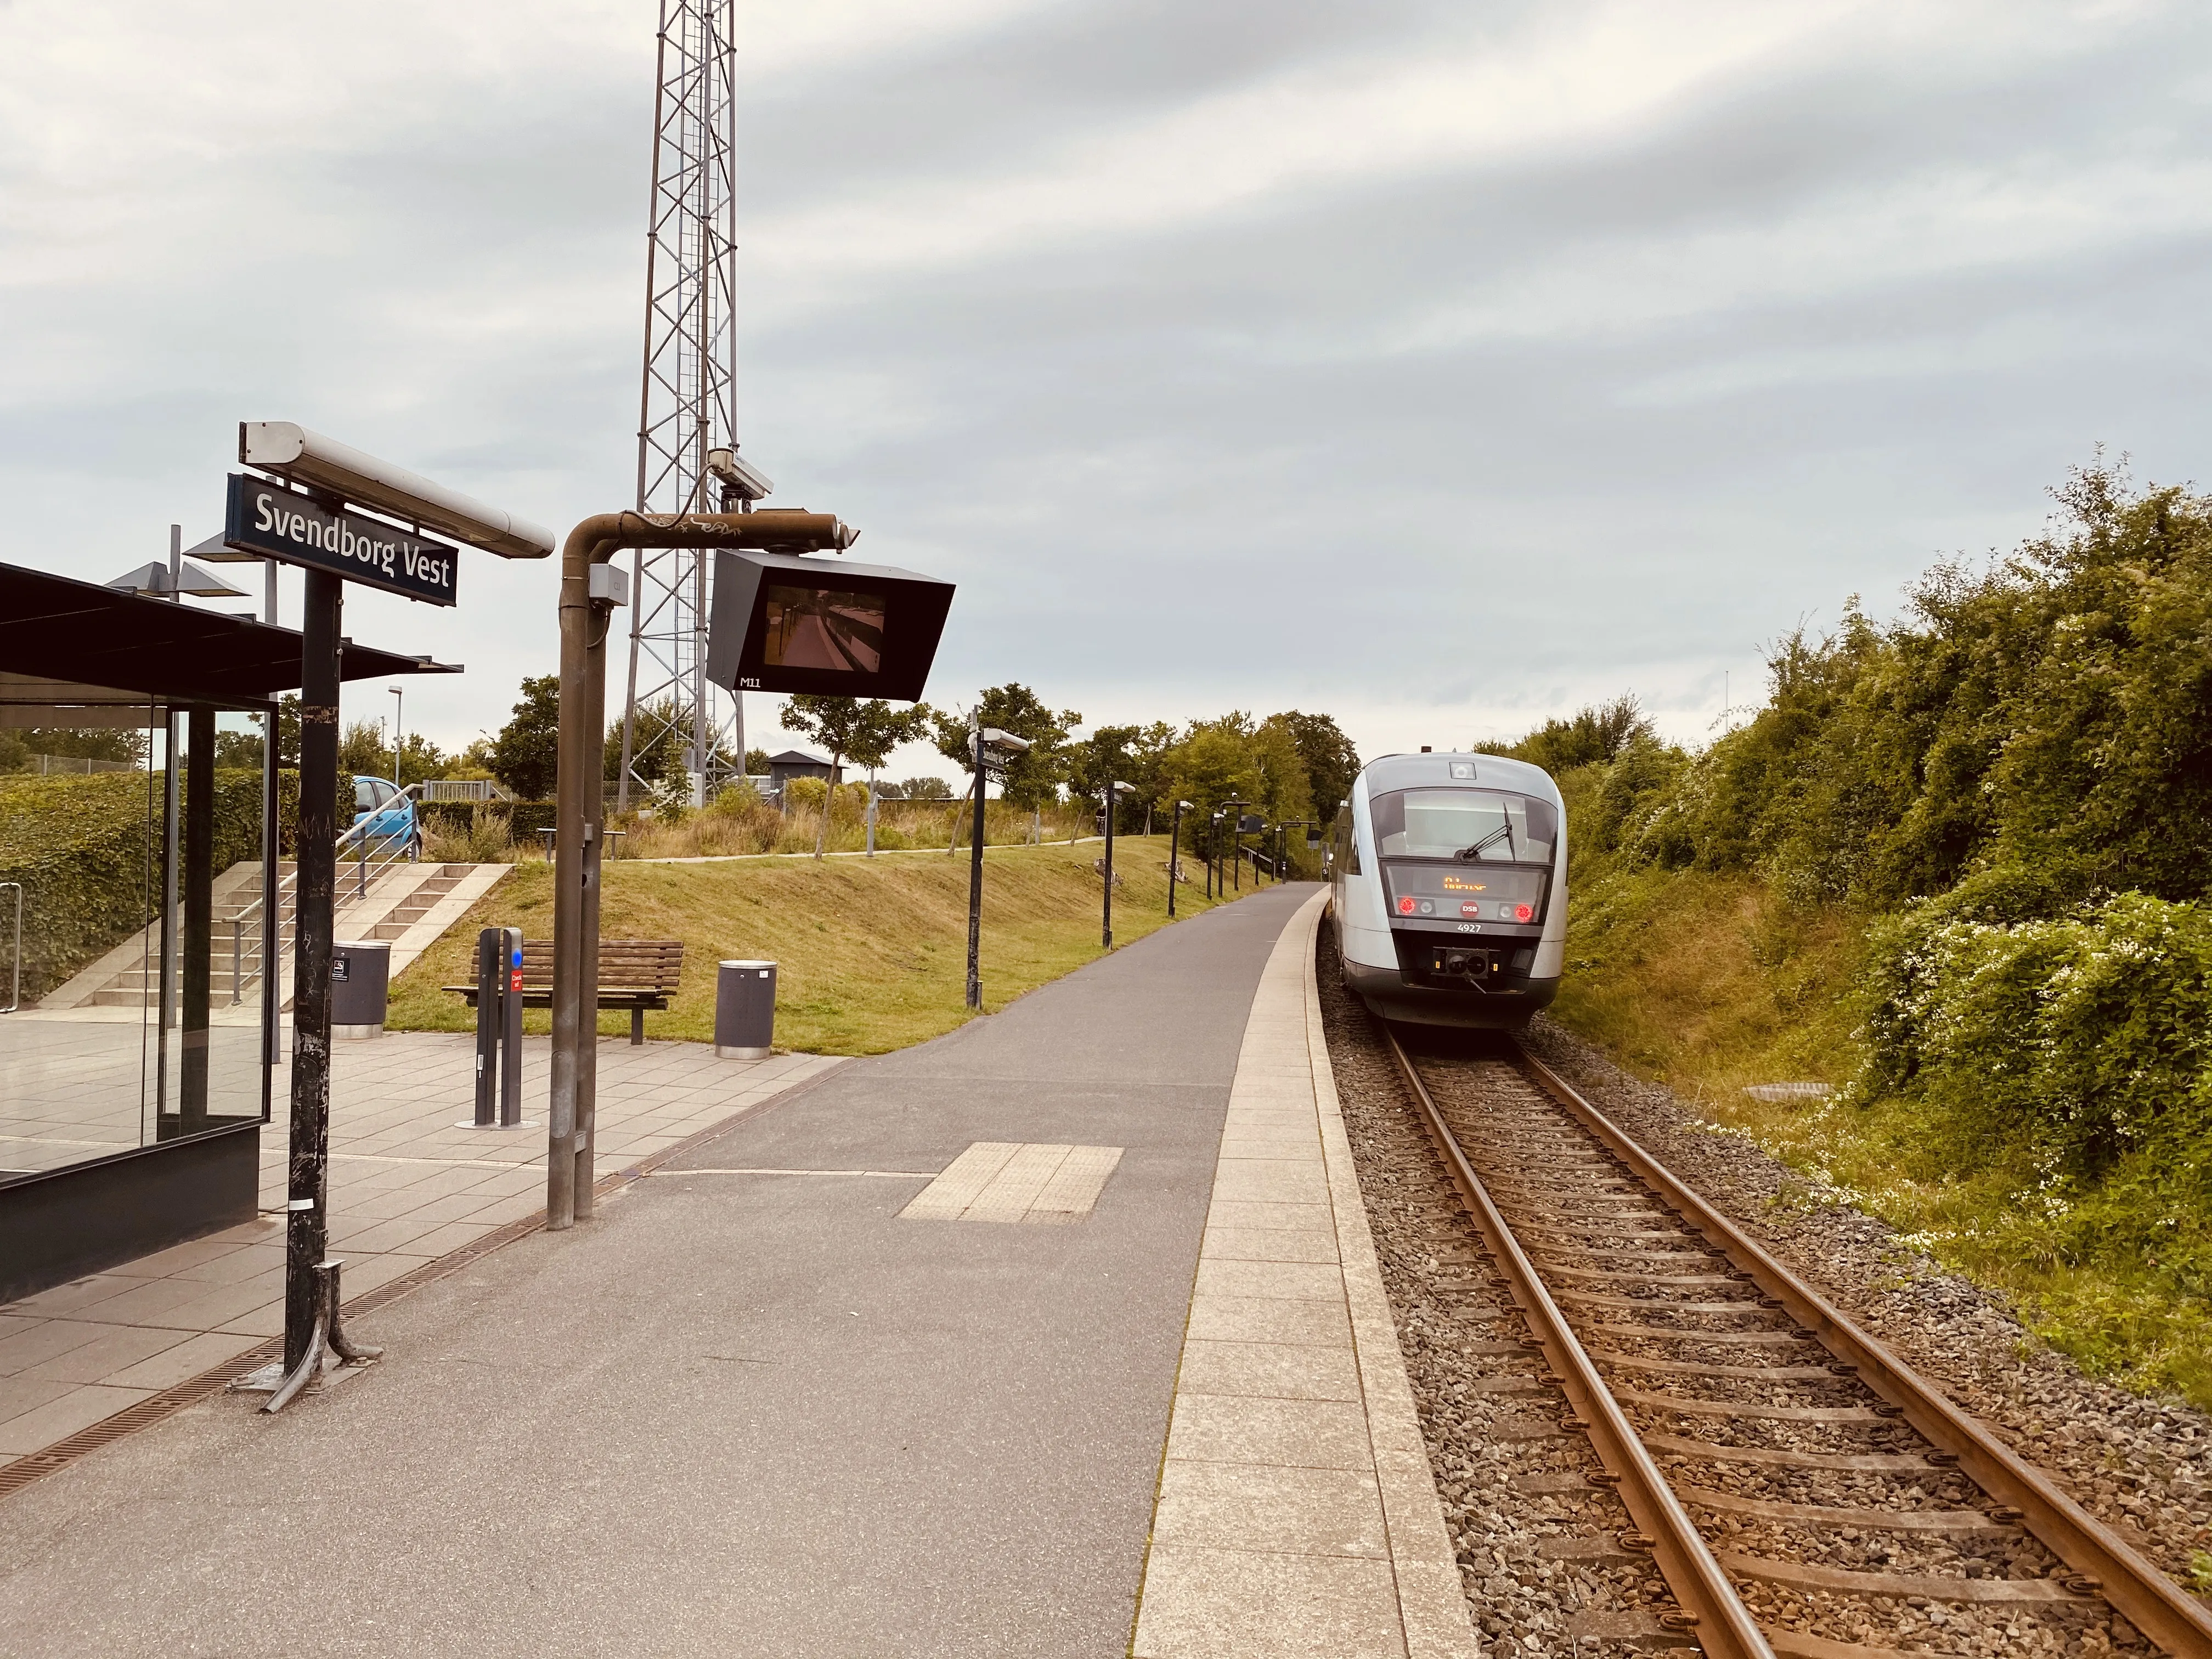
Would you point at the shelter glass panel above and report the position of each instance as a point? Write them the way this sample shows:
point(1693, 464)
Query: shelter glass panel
point(137, 991)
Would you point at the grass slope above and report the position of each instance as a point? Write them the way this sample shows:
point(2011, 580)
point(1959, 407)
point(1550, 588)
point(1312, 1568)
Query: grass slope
point(1711, 983)
point(872, 952)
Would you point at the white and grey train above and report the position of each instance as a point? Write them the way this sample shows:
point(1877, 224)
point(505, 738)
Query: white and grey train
point(1447, 880)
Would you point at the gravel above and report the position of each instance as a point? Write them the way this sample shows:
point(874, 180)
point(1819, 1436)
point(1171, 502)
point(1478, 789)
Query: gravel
point(2141, 1465)
point(1537, 1544)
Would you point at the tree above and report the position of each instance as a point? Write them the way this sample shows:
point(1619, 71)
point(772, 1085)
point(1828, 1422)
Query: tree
point(525, 756)
point(866, 731)
point(756, 763)
point(1032, 778)
point(925, 788)
point(361, 750)
point(1330, 760)
point(1596, 735)
point(1107, 755)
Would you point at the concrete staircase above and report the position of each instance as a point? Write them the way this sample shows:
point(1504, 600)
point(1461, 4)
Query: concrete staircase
point(405, 905)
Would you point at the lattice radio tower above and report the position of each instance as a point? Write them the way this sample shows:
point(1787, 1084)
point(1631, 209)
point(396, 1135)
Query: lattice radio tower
point(689, 405)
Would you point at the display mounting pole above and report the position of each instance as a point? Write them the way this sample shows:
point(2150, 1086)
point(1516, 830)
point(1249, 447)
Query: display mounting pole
point(976, 883)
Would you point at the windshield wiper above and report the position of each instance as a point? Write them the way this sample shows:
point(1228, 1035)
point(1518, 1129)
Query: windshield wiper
point(1469, 854)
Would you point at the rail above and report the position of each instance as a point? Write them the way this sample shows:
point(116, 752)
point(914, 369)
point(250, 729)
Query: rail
point(2102, 1563)
point(1710, 1607)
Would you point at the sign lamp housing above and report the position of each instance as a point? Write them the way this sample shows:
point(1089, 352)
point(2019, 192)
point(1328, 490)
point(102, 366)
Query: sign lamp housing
point(291, 451)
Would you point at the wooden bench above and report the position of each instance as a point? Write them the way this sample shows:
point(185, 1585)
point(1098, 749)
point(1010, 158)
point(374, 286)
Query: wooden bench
point(636, 973)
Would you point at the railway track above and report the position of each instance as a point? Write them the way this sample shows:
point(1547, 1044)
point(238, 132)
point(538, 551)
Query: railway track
point(1785, 1474)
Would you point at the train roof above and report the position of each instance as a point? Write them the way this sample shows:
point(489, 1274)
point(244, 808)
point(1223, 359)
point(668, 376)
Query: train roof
point(1435, 770)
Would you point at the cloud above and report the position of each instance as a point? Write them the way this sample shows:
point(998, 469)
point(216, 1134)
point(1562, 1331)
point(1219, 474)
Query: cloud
point(1439, 365)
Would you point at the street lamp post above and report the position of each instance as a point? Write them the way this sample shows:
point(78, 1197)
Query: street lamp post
point(398, 709)
point(1233, 822)
point(987, 739)
point(1106, 919)
point(1175, 851)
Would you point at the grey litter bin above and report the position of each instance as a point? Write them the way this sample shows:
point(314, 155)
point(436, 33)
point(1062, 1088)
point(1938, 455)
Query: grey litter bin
point(361, 981)
point(745, 1010)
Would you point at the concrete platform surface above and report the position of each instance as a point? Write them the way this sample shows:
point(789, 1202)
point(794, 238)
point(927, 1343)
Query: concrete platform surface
point(887, 1367)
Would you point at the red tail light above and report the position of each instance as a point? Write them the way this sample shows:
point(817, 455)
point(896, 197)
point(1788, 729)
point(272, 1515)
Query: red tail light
point(1524, 913)
point(1406, 906)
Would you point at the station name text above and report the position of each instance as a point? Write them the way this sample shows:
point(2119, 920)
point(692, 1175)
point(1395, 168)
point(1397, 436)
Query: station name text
point(274, 515)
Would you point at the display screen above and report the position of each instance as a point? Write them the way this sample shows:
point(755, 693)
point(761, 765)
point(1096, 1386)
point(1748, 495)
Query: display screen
point(1430, 892)
point(819, 627)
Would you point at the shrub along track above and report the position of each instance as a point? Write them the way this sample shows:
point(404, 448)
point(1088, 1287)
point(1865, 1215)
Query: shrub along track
point(1694, 1445)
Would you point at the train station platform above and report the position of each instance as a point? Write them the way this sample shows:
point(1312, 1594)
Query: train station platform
point(1060, 1335)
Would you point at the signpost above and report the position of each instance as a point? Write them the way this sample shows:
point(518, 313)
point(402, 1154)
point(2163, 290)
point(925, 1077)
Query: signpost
point(273, 522)
point(335, 546)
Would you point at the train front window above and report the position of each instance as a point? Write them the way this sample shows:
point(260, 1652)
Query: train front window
point(1473, 826)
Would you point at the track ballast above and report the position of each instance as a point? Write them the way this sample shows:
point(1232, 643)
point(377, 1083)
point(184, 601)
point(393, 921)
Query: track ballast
point(1796, 1488)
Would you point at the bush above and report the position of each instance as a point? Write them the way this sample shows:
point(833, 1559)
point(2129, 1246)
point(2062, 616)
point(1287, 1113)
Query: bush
point(90, 857)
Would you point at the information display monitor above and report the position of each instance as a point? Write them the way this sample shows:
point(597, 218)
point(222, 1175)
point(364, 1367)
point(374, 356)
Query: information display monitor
point(779, 621)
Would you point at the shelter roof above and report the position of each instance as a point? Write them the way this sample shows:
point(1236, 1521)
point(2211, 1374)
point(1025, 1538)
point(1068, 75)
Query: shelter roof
point(86, 642)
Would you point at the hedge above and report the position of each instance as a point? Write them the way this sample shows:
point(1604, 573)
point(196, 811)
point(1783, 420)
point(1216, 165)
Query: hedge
point(89, 856)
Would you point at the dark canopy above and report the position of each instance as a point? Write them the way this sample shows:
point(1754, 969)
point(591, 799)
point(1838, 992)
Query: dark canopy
point(73, 633)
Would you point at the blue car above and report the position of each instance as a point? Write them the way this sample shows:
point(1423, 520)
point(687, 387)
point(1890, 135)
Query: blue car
point(389, 814)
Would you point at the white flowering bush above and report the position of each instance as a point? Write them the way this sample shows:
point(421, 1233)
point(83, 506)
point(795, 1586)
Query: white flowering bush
point(2071, 1058)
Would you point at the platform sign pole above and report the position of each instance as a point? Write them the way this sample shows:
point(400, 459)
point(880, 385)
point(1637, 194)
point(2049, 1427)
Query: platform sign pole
point(975, 883)
point(306, 1230)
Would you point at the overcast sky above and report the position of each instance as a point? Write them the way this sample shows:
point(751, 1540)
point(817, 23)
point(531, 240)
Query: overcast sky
point(1437, 365)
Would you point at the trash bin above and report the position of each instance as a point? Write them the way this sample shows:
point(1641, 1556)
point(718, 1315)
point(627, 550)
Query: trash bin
point(745, 1010)
point(361, 982)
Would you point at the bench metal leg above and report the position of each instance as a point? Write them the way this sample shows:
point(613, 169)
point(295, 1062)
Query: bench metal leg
point(636, 1026)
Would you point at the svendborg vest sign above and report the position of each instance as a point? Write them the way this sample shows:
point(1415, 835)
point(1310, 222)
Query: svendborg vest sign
point(273, 522)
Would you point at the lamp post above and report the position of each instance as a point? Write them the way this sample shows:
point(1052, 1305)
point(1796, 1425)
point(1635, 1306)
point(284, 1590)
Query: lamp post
point(1006, 745)
point(1234, 823)
point(398, 708)
point(1106, 918)
point(1175, 851)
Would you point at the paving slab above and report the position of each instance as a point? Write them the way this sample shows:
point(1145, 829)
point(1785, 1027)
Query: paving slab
point(757, 1407)
point(734, 1414)
point(408, 1184)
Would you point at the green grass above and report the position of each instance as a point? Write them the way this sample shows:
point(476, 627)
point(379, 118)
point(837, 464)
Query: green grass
point(872, 953)
point(1709, 983)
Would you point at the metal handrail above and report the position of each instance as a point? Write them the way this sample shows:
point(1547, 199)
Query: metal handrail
point(16, 985)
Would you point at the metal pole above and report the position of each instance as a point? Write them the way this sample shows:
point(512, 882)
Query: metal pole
point(1106, 927)
point(399, 716)
point(1174, 855)
point(975, 884)
point(579, 804)
point(198, 957)
point(306, 1234)
point(171, 774)
point(491, 981)
point(506, 965)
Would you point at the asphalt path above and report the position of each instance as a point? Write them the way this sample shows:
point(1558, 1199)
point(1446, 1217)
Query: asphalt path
point(738, 1414)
